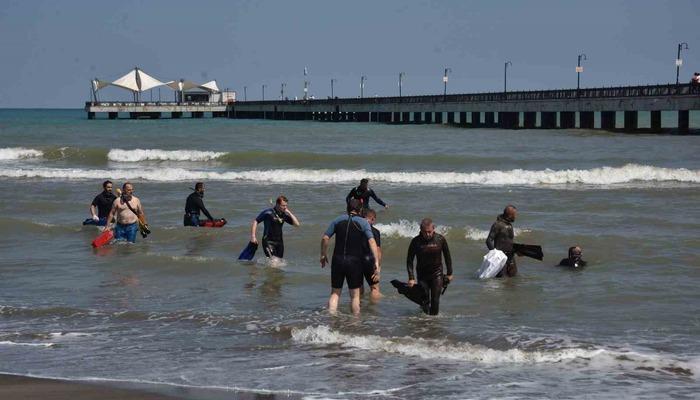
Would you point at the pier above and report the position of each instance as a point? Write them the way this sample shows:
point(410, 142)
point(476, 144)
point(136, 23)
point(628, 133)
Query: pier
point(590, 108)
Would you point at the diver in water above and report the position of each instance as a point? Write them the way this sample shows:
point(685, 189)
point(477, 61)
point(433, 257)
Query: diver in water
point(363, 194)
point(273, 218)
point(429, 247)
point(501, 237)
point(575, 258)
point(194, 205)
point(101, 205)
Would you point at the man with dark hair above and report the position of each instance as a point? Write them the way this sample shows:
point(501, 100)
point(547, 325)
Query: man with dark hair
point(370, 274)
point(101, 205)
point(273, 219)
point(501, 237)
point(194, 205)
point(429, 247)
point(363, 194)
point(351, 233)
point(575, 258)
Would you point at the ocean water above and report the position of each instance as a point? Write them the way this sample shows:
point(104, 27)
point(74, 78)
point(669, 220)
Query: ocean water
point(178, 309)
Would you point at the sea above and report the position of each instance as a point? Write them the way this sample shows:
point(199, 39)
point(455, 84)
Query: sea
point(177, 309)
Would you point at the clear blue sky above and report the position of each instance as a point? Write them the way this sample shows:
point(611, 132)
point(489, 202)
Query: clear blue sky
point(51, 49)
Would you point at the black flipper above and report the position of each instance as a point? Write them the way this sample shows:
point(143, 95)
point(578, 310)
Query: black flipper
point(416, 294)
point(529, 250)
point(249, 252)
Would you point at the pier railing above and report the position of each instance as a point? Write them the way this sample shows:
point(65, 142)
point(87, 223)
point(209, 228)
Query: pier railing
point(534, 95)
point(151, 103)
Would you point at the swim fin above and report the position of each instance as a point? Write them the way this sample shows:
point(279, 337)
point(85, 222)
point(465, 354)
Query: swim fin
point(529, 250)
point(416, 293)
point(249, 252)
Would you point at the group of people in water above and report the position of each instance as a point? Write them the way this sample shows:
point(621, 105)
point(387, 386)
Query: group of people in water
point(356, 256)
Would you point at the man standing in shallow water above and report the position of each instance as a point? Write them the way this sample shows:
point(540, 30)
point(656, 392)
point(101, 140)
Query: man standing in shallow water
point(429, 247)
point(128, 211)
point(501, 237)
point(273, 219)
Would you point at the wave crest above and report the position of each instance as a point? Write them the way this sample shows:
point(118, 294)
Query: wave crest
point(19, 153)
point(137, 155)
point(406, 229)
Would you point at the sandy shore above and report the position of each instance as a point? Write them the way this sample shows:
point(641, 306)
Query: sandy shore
point(16, 387)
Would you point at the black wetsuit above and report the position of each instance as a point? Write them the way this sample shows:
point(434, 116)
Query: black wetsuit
point(501, 237)
point(429, 253)
point(193, 206)
point(352, 234)
point(363, 196)
point(104, 202)
point(272, 241)
point(369, 258)
point(568, 262)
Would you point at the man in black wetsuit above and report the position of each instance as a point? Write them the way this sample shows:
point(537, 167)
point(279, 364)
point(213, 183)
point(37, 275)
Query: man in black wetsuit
point(194, 205)
point(352, 235)
point(363, 194)
point(501, 237)
point(371, 216)
point(273, 219)
point(575, 258)
point(429, 247)
point(101, 205)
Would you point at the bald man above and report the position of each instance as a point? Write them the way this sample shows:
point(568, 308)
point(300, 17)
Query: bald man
point(501, 237)
point(429, 247)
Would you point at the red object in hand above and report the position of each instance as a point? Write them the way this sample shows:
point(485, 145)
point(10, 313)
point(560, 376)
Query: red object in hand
point(103, 239)
point(217, 223)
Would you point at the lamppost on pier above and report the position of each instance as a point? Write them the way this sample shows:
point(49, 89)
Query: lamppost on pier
point(579, 69)
point(263, 92)
point(306, 84)
point(444, 80)
point(505, 76)
point(401, 75)
point(362, 86)
point(282, 91)
point(679, 60)
point(245, 93)
point(332, 81)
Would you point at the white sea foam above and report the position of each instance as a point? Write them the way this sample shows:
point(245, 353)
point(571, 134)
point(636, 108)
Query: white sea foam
point(630, 173)
point(442, 349)
point(136, 155)
point(472, 233)
point(11, 343)
point(18, 153)
point(406, 229)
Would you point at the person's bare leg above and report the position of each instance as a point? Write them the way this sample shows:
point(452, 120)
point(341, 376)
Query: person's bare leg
point(374, 293)
point(355, 301)
point(333, 300)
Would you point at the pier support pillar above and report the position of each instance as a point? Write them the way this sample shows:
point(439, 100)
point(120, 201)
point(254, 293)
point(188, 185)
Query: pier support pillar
point(396, 118)
point(417, 117)
point(508, 120)
point(450, 117)
point(567, 119)
point(490, 119)
point(655, 121)
point(463, 118)
point(374, 117)
point(530, 120)
point(631, 118)
point(91, 115)
point(586, 119)
point(476, 118)
point(428, 117)
point(684, 121)
point(438, 117)
point(406, 117)
point(548, 120)
point(607, 120)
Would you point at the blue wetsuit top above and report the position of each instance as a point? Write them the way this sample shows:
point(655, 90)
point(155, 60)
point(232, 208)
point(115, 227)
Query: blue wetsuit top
point(273, 221)
point(352, 232)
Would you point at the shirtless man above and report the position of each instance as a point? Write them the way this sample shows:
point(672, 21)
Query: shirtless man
point(128, 211)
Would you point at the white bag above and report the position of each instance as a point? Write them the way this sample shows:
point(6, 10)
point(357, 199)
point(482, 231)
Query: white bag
point(493, 263)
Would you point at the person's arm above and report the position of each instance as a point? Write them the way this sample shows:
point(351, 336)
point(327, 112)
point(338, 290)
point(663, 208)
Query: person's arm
point(448, 258)
point(324, 250)
point(409, 263)
point(292, 218)
point(93, 212)
point(142, 214)
point(377, 199)
point(200, 203)
point(253, 231)
point(490, 239)
point(349, 196)
point(109, 224)
point(375, 252)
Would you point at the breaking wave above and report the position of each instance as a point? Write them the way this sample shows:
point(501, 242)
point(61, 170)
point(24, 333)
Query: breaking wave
point(472, 233)
point(628, 174)
point(137, 155)
point(406, 229)
point(18, 153)
point(467, 352)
